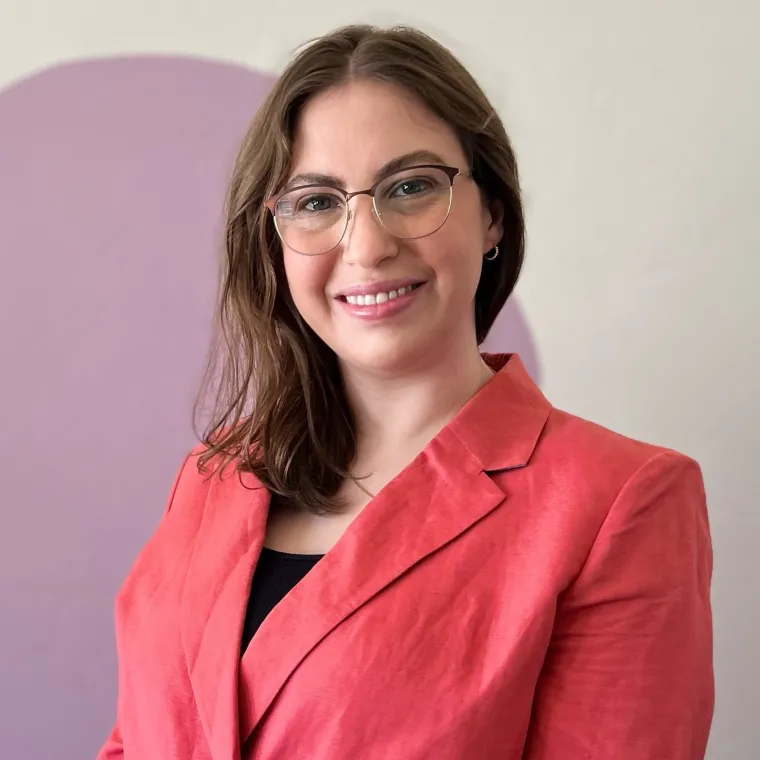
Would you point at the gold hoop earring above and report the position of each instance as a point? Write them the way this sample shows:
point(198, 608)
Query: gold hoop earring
point(492, 254)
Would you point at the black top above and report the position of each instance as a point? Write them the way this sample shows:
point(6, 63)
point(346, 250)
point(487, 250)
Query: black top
point(276, 573)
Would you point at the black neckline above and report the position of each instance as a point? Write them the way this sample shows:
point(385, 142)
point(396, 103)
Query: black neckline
point(291, 556)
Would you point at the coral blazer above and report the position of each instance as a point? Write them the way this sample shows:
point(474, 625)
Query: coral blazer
point(531, 586)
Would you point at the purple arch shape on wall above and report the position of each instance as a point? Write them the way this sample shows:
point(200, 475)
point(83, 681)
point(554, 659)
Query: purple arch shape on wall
point(112, 178)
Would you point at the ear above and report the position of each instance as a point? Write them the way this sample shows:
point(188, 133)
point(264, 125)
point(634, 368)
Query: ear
point(493, 224)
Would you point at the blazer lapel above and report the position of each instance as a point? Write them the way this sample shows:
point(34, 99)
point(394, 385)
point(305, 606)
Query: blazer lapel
point(214, 602)
point(441, 494)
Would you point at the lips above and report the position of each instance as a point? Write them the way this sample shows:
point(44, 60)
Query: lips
point(373, 304)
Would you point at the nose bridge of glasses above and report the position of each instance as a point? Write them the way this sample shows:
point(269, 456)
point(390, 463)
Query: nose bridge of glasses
point(351, 214)
point(369, 191)
point(373, 226)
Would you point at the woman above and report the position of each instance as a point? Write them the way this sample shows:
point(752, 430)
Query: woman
point(389, 545)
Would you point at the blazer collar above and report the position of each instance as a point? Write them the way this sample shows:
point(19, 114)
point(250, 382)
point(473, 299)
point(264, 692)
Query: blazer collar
point(500, 425)
point(443, 492)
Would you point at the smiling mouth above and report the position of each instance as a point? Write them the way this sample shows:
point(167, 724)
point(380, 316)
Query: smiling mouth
point(379, 298)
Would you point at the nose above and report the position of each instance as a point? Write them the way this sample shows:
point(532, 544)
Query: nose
point(366, 243)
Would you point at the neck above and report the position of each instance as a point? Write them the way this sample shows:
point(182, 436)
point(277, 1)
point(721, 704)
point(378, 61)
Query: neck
point(397, 416)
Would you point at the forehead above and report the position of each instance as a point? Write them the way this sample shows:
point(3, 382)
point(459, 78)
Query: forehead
point(354, 129)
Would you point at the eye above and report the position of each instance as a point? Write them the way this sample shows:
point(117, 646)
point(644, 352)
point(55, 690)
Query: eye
point(408, 187)
point(311, 204)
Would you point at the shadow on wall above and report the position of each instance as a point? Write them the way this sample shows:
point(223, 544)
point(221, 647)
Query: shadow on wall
point(112, 178)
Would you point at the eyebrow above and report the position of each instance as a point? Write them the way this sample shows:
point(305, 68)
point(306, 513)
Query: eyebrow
point(388, 168)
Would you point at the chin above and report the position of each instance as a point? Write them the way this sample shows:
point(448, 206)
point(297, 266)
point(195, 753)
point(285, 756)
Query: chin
point(390, 356)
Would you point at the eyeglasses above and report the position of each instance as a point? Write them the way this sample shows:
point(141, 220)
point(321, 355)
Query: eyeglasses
point(409, 204)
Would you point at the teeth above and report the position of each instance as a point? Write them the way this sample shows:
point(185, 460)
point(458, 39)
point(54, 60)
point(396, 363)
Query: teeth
point(371, 300)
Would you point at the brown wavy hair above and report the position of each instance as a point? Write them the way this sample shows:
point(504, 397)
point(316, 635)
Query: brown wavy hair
point(278, 405)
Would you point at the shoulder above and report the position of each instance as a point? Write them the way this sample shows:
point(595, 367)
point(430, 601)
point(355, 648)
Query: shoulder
point(585, 440)
point(607, 471)
point(615, 485)
point(579, 474)
point(610, 500)
point(512, 424)
point(643, 508)
point(210, 495)
point(199, 479)
point(585, 447)
point(191, 478)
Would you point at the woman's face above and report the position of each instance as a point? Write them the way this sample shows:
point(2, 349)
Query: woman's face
point(352, 295)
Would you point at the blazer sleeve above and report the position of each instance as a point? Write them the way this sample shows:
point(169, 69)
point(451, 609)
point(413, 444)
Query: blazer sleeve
point(628, 673)
point(113, 749)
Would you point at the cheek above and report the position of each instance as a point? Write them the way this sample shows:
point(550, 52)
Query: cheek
point(307, 278)
point(467, 246)
point(463, 275)
point(457, 260)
